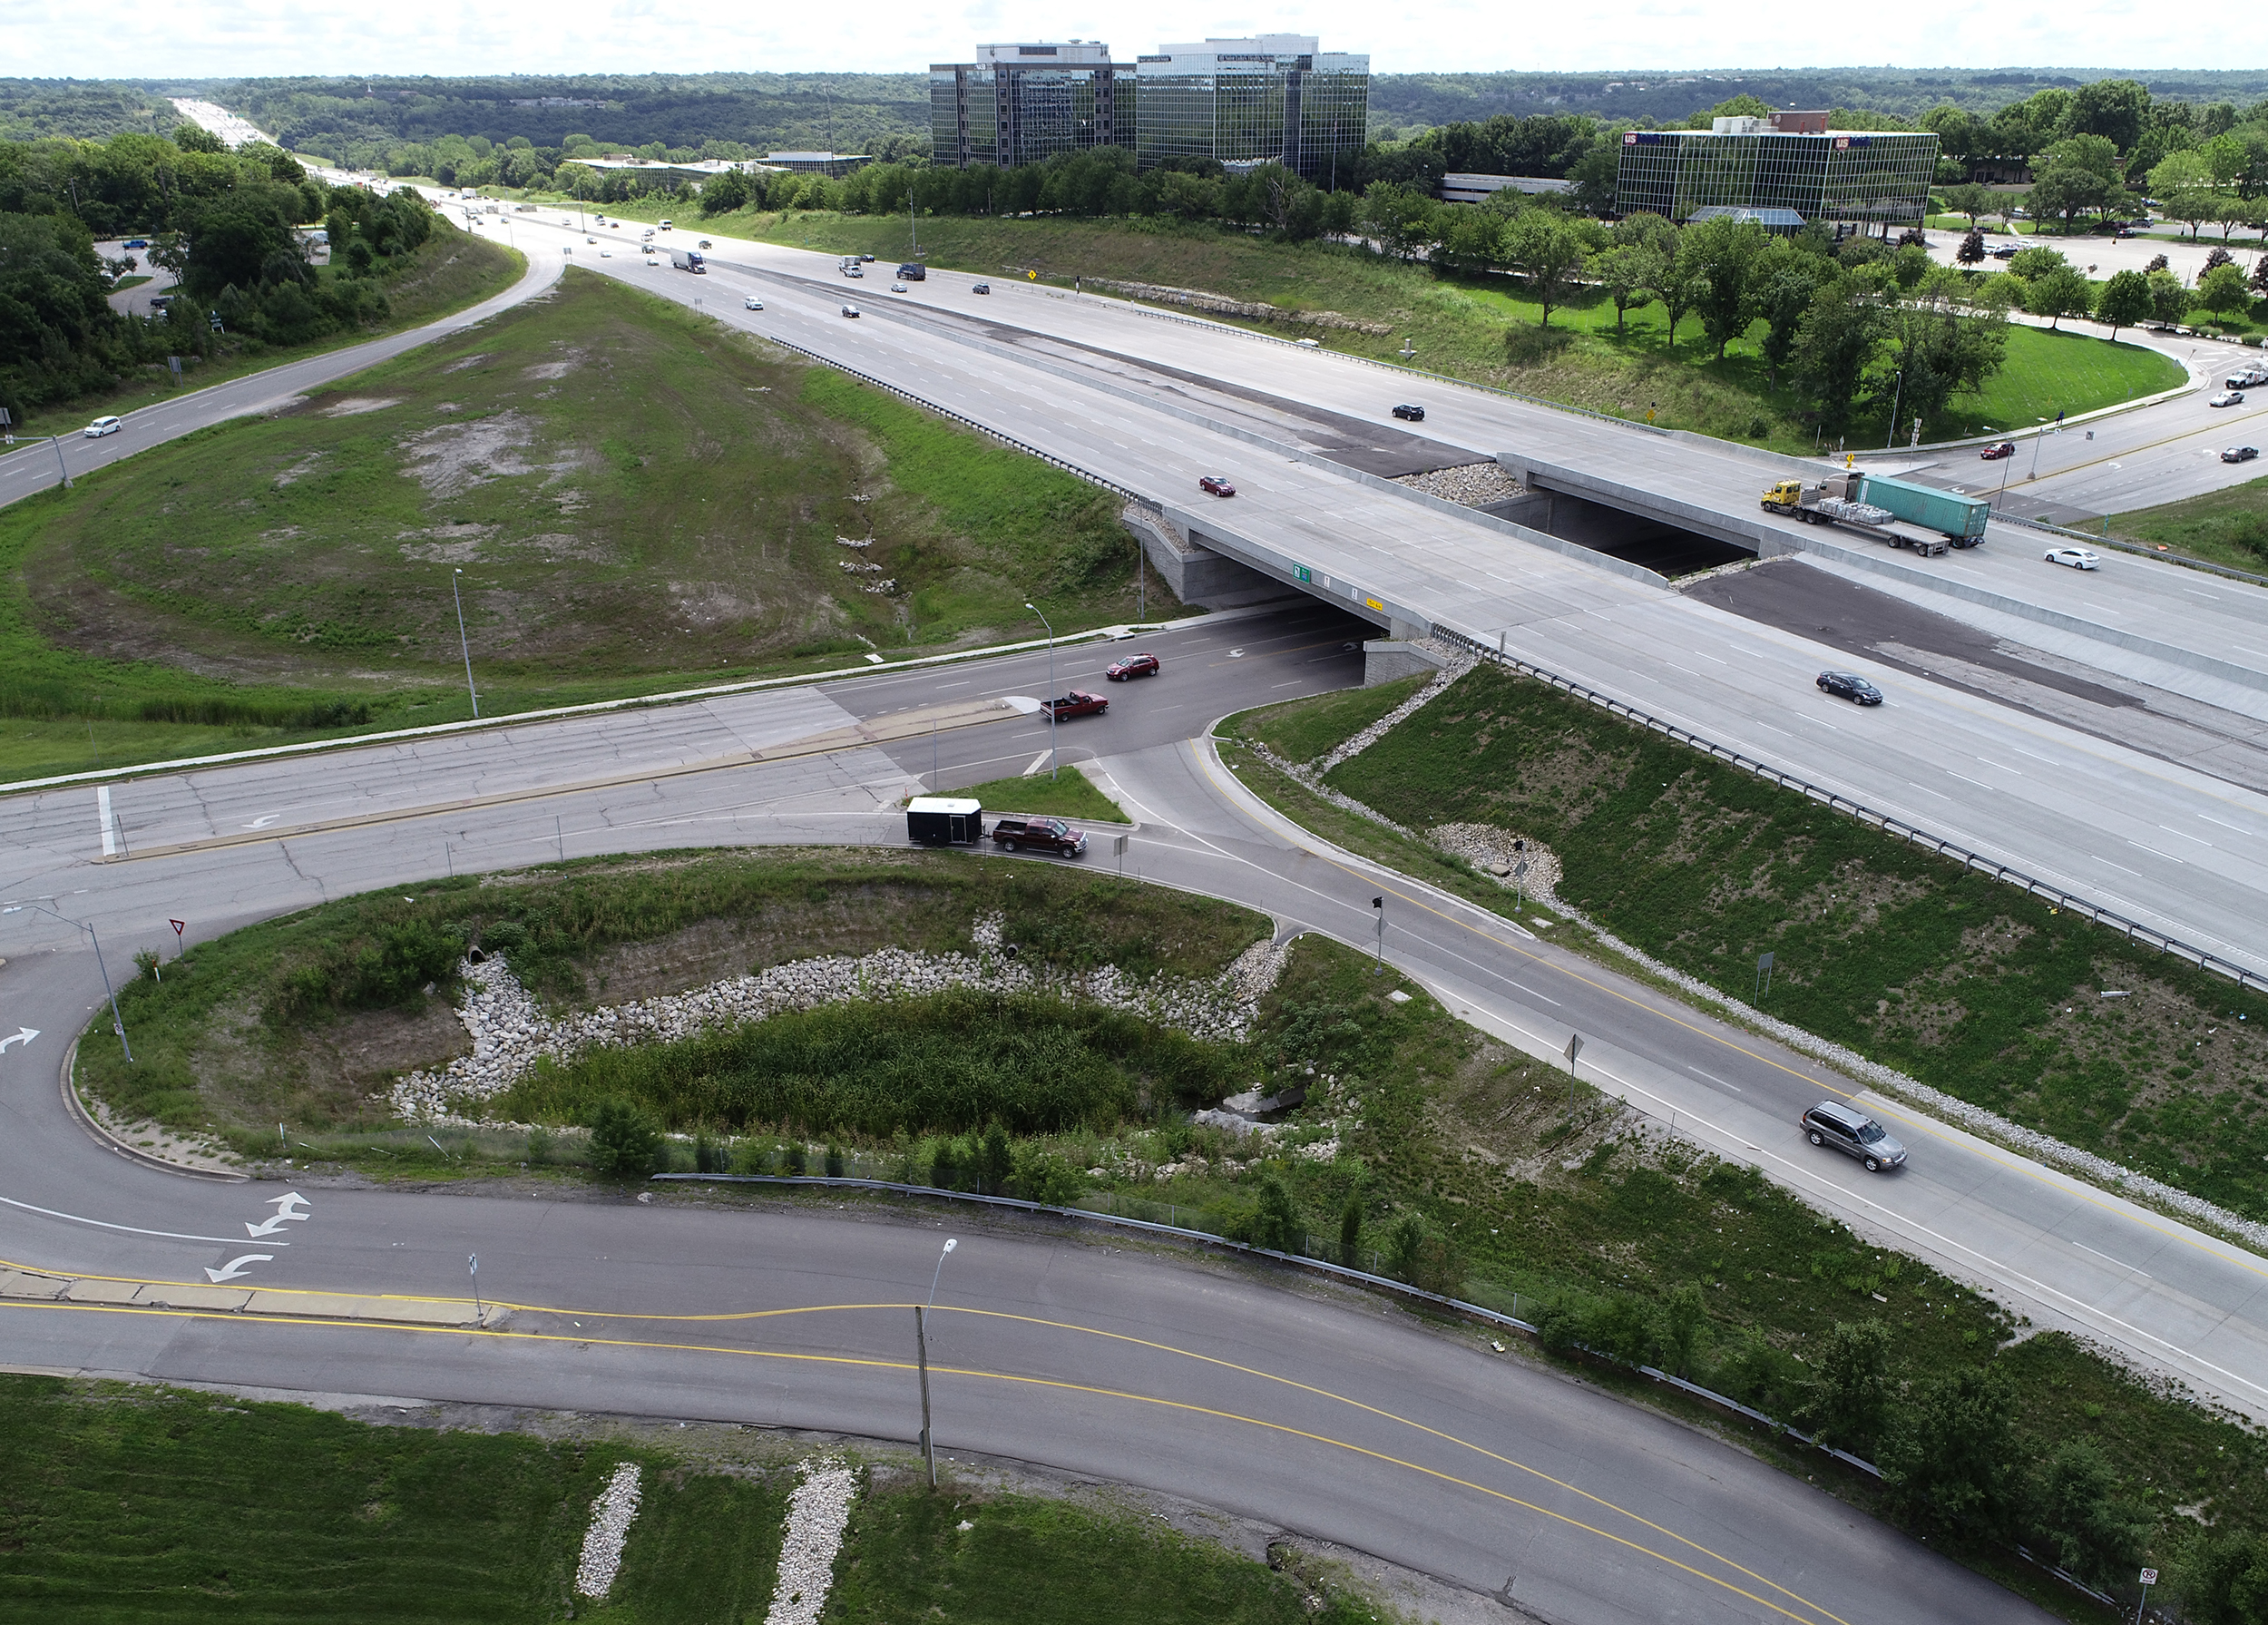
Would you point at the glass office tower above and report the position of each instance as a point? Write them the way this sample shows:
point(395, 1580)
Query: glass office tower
point(1019, 104)
point(1872, 180)
point(1270, 98)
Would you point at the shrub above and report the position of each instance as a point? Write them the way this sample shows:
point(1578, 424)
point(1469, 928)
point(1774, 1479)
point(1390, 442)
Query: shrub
point(624, 1143)
point(1045, 1177)
point(1948, 1460)
point(1277, 1226)
point(1419, 1254)
point(1351, 1233)
point(2079, 1513)
point(1854, 1387)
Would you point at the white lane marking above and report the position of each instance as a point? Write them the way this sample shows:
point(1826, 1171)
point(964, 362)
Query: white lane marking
point(1037, 762)
point(2185, 835)
point(2002, 766)
point(125, 1229)
point(1964, 777)
point(2153, 852)
point(234, 1268)
point(1713, 1078)
point(2122, 1264)
point(102, 815)
point(1940, 795)
point(263, 821)
point(2238, 827)
point(283, 1214)
point(20, 1035)
point(2119, 866)
point(2035, 755)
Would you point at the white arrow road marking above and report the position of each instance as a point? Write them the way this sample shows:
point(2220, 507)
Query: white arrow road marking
point(124, 1228)
point(20, 1035)
point(283, 1214)
point(235, 1266)
point(263, 821)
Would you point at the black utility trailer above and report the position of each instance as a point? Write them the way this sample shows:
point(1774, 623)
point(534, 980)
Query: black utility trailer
point(944, 822)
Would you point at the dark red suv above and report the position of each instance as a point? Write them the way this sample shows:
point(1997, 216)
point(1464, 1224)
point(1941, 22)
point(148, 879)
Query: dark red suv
point(1044, 835)
point(1133, 665)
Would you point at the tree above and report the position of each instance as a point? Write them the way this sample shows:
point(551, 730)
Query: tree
point(1277, 1226)
point(2169, 300)
point(1972, 248)
point(2095, 1531)
point(1948, 1460)
point(2225, 1579)
point(2184, 184)
point(2111, 109)
point(1854, 1387)
point(2066, 191)
point(2223, 290)
point(1787, 279)
point(2124, 301)
point(1622, 272)
point(2030, 264)
point(1970, 200)
point(1351, 1233)
point(1400, 217)
point(1682, 1320)
point(723, 194)
point(2260, 275)
point(2230, 212)
point(195, 138)
point(1419, 1254)
point(2064, 292)
point(1720, 255)
point(624, 1143)
point(1673, 282)
point(1837, 338)
point(1546, 247)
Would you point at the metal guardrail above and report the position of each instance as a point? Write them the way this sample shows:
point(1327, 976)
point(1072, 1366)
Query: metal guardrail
point(1089, 475)
point(1913, 834)
point(2122, 545)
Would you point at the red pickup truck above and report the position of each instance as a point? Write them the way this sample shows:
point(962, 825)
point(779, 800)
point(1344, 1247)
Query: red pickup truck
point(1045, 835)
point(1077, 703)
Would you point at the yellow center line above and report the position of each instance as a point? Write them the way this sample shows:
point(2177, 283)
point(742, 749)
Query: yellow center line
point(866, 1362)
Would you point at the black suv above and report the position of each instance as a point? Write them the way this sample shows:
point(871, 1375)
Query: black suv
point(1047, 834)
point(913, 273)
point(1850, 1131)
point(1851, 686)
point(1410, 414)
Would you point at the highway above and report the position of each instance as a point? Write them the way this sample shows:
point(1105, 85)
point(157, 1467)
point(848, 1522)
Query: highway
point(2162, 843)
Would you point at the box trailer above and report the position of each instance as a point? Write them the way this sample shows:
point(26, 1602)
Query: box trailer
point(1960, 520)
point(944, 822)
point(688, 260)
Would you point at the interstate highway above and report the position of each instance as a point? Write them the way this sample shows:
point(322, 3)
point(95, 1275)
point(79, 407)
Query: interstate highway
point(2168, 845)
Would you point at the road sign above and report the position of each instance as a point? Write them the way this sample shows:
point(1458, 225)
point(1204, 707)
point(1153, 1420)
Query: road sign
point(1300, 572)
point(179, 926)
point(1574, 1048)
point(2149, 1577)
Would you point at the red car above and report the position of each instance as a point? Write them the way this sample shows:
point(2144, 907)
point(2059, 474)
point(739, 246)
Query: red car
point(1993, 454)
point(1077, 703)
point(1133, 665)
point(1218, 484)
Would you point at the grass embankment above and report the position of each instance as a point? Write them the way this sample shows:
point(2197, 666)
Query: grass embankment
point(1071, 794)
point(2222, 527)
point(147, 1503)
point(300, 1020)
point(1459, 325)
point(638, 501)
point(447, 272)
point(1953, 978)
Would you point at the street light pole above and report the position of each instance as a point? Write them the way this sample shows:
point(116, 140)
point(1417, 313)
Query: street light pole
point(920, 1342)
point(1054, 717)
point(462, 644)
point(118, 1022)
point(1897, 399)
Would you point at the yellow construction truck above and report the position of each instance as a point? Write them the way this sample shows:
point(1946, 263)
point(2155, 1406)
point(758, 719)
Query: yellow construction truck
point(1870, 504)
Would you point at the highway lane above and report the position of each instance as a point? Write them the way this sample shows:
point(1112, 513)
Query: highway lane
point(1744, 685)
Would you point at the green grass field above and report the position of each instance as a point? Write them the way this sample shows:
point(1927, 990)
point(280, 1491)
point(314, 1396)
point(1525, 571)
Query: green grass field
point(451, 271)
point(146, 1503)
point(2229, 526)
point(1071, 794)
point(1458, 324)
point(636, 500)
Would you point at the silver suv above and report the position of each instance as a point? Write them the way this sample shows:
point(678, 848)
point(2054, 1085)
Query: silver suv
point(1850, 1131)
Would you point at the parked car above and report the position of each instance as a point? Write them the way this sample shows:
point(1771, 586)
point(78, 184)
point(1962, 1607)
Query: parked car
point(1851, 686)
point(1852, 1132)
point(1079, 702)
point(2077, 558)
point(137, 242)
point(851, 310)
point(1047, 834)
point(102, 426)
point(2227, 397)
point(1993, 454)
point(1218, 484)
point(751, 303)
point(2240, 454)
point(1412, 414)
point(981, 288)
point(1132, 665)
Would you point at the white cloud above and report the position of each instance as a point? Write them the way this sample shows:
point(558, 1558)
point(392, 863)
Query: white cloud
point(226, 38)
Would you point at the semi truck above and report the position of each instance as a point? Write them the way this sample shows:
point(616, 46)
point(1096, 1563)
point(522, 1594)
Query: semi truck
point(688, 259)
point(1871, 503)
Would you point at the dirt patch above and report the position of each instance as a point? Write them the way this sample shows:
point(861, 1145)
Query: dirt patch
point(354, 406)
point(468, 361)
point(2154, 1035)
point(455, 458)
point(448, 543)
point(552, 369)
point(1497, 852)
point(299, 470)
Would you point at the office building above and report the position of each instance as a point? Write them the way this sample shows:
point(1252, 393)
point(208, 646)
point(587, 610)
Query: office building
point(1024, 103)
point(1273, 98)
point(1782, 171)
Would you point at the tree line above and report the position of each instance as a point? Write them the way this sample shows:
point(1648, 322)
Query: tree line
point(234, 227)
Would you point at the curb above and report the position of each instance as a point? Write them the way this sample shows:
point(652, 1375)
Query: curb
point(110, 1142)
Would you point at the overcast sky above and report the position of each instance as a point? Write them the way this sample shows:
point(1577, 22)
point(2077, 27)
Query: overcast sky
point(220, 38)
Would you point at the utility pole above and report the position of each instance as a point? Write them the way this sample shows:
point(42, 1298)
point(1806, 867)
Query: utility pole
point(463, 644)
point(1897, 399)
point(1378, 904)
point(1054, 719)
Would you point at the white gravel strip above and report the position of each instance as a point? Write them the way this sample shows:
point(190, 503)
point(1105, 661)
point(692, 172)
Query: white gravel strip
point(610, 1517)
point(510, 1033)
point(1461, 660)
point(817, 1513)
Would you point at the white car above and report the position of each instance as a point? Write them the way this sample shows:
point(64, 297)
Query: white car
point(850, 310)
point(651, 261)
point(591, 239)
point(2227, 397)
point(751, 303)
point(897, 288)
point(102, 426)
point(2077, 558)
point(606, 253)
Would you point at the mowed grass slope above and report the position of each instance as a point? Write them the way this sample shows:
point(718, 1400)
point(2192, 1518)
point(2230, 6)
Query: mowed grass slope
point(1966, 983)
point(635, 499)
point(2222, 527)
point(1459, 325)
